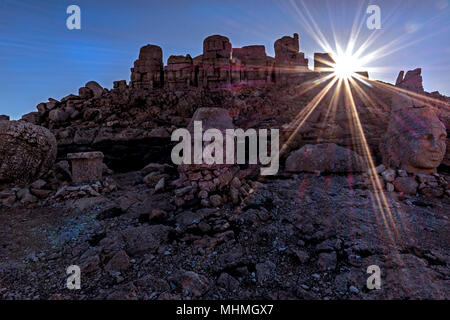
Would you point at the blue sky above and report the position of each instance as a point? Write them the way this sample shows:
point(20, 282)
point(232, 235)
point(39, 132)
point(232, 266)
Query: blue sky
point(41, 58)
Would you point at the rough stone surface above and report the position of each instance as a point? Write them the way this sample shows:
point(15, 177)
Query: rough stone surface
point(406, 185)
point(212, 118)
point(179, 72)
point(324, 158)
point(86, 166)
point(27, 151)
point(415, 141)
point(289, 62)
point(148, 69)
point(412, 81)
point(96, 89)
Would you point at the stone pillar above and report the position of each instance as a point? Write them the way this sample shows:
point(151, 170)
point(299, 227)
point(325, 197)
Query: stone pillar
point(148, 71)
point(216, 62)
point(179, 72)
point(86, 166)
point(289, 62)
point(251, 66)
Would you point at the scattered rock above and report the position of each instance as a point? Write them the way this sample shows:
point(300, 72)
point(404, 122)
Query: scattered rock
point(191, 284)
point(407, 185)
point(327, 261)
point(119, 262)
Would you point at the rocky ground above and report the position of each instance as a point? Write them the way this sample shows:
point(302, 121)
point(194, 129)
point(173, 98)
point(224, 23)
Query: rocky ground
point(295, 236)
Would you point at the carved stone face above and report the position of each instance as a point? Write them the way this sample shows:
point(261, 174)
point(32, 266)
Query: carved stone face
point(428, 150)
point(415, 141)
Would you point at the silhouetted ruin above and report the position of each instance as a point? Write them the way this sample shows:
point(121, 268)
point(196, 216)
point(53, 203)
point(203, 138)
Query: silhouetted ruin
point(222, 66)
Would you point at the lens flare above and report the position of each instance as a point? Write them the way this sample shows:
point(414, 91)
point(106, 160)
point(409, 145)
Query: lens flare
point(346, 66)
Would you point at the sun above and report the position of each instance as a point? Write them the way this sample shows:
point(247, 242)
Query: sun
point(345, 66)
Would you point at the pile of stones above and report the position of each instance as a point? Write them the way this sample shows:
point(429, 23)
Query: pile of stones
point(431, 185)
point(213, 187)
point(156, 175)
point(92, 189)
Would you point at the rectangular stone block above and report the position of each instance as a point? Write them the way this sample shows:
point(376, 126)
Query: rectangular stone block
point(86, 166)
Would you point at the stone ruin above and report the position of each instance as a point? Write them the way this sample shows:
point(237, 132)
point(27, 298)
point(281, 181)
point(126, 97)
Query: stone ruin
point(323, 62)
point(179, 72)
point(221, 66)
point(86, 166)
point(148, 69)
point(140, 115)
point(412, 81)
point(289, 62)
point(211, 185)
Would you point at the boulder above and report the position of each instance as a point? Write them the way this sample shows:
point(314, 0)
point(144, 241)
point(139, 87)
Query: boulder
point(52, 104)
point(119, 262)
point(85, 93)
point(42, 108)
point(96, 89)
point(190, 283)
point(27, 151)
point(326, 157)
point(407, 185)
point(217, 118)
point(388, 175)
point(58, 115)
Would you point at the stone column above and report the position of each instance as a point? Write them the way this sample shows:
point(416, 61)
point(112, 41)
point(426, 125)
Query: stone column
point(289, 61)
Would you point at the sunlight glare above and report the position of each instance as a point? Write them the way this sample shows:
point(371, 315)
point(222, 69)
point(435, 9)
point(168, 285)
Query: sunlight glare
point(345, 66)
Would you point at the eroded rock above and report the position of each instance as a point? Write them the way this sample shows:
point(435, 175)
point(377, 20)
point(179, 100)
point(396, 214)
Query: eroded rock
point(27, 151)
point(324, 158)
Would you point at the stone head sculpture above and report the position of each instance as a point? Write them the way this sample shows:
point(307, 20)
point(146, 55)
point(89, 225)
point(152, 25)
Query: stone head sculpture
point(415, 141)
